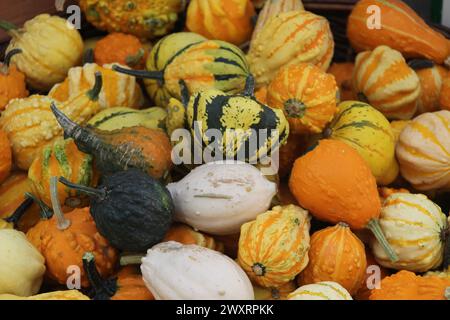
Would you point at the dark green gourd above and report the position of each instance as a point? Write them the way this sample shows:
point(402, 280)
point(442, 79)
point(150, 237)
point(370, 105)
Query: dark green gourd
point(131, 209)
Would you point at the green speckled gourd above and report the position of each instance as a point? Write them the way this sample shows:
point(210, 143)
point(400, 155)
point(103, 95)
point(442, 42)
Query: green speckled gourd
point(202, 64)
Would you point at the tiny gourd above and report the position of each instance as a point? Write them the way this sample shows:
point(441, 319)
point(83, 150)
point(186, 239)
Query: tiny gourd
point(326, 290)
point(173, 271)
point(218, 197)
point(12, 81)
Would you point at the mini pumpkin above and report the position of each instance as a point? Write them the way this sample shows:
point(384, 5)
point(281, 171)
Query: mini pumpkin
point(5, 156)
point(343, 73)
point(383, 79)
point(307, 96)
point(326, 290)
point(12, 81)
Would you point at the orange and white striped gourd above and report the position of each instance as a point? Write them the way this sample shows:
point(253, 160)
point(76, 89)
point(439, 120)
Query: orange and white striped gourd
point(336, 254)
point(273, 249)
point(431, 80)
point(326, 290)
point(384, 80)
point(306, 94)
point(423, 151)
point(290, 38)
point(118, 89)
point(414, 227)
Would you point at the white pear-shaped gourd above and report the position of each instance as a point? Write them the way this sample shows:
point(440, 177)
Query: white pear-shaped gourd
point(326, 290)
point(219, 197)
point(173, 271)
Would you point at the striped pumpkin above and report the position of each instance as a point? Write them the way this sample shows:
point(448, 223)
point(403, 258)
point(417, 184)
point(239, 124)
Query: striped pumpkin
point(326, 290)
point(61, 159)
point(367, 131)
point(336, 254)
point(444, 99)
point(273, 249)
point(414, 227)
point(307, 96)
point(431, 80)
point(290, 38)
point(384, 80)
point(118, 89)
point(423, 151)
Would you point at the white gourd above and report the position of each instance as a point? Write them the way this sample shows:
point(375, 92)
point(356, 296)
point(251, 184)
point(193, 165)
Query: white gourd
point(326, 290)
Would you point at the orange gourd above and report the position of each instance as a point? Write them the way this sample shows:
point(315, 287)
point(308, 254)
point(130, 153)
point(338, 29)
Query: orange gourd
point(431, 80)
point(226, 20)
point(12, 81)
point(370, 277)
point(444, 99)
point(337, 255)
point(261, 95)
point(5, 156)
point(120, 48)
point(289, 152)
point(336, 185)
point(306, 94)
point(343, 72)
point(186, 235)
point(405, 285)
point(401, 29)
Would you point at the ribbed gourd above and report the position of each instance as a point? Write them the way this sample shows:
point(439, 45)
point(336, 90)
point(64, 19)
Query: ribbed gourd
point(118, 89)
point(45, 65)
point(423, 151)
point(290, 38)
point(415, 228)
point(383, 79)
point(30, 124)
point(201, 64)
point(142, 18)
point(273, 249)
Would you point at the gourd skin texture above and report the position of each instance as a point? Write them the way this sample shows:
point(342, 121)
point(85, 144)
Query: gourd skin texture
point(273, 249)
point(326, 290)
point(414, 227)
point(423, 151)
point(367, 131)
point(184, 234)
point(401, 28)
point(173, 271)
point(383, 78)
point(118, 89)
point(63, 47)
point(5, 156)
point(55, 295)
point(21, 265)
point(431, 80)
point(306, 94)
point(310, 42)
point(131, 286)
point(12, 85)
point(226, 20)
point(219, 197)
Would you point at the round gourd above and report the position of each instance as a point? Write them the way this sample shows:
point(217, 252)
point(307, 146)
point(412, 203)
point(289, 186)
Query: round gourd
point(21, 265)
point(367, 131)
point(50, 47)
point(423, 151)
point(173, 271)
point(5, 156)
point(307, 96)
point(290, 38)
point(343, 73)
point(335, 184)
point(431, 80)
point(337, 255)
point(383, 79)
point(226, 20)
point(415, 229)
point(219, 197)
point(12, 81)
point(273, 249)
point(326, 290)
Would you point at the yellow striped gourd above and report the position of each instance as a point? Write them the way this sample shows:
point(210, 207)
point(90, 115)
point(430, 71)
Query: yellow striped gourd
point(414, 227)
point(326, 290)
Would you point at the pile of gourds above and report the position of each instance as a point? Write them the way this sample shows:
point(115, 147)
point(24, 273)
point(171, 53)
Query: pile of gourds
point(91, 199)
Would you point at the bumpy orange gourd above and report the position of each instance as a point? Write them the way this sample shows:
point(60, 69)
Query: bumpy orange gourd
point(306, 94)
point(12, 81)
point(444, 99)
point(405, 285)
point(226, 20)
point(273, 249)
point(370, 278)
point(384, 80)
point(336, 185)
point(120, 48)
point(401, 28)
point(431, 80)
point(343, 72)
point(131, 286)
point(5, 156)
point(186, 235)
point(337, 255)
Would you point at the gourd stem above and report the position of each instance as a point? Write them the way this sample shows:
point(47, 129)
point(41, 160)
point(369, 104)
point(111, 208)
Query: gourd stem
point(20, 211)
point(46, 212)
point(104, 289)
point(131, 259)
point(374, 226)
point(68, 125)
point(88, 190)
point(7, 26)
point(11, 54)
point(94, 93)
point(133, 60)
point(249, 90)
point(62, 222)
point(154, 75)
point(88, 56)
point(418, 64)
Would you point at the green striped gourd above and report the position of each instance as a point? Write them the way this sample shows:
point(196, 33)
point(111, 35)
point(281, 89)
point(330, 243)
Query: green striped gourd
point(60, 158)
point(414, 227)
point(202, 64)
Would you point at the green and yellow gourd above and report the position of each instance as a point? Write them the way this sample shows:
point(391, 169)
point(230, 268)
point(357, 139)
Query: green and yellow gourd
point(369, 132)
point(202, 64)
